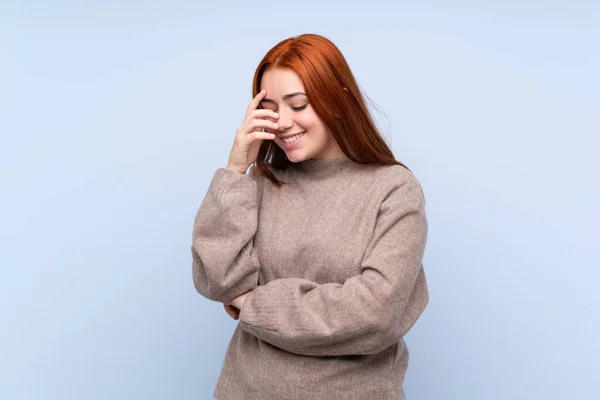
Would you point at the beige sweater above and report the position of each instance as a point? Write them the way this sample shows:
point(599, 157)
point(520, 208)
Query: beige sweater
point(334, 261)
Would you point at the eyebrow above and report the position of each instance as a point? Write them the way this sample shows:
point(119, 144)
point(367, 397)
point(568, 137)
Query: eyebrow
point(287, 96)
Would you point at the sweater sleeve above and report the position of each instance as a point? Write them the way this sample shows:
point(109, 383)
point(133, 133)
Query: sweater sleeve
point(224, 264)
point(369, 311)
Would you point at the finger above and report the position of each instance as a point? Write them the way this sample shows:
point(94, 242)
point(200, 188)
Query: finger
point(262, 123)
point(256, 101)
point(260, 114)
point(263, 113)
point(257, 135)
point(232, 311)
point(233, 314)
point(256, 124)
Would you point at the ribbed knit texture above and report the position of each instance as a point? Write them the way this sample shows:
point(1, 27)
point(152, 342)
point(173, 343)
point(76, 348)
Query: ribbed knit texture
point(334, 259)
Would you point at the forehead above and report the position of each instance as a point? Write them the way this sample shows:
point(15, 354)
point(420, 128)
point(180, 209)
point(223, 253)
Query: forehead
point(279, 82)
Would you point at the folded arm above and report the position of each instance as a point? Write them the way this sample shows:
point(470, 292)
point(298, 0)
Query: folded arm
point(369, 311)
point(224, 263)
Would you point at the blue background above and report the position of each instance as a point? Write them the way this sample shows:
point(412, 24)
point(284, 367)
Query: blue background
point(114, 117)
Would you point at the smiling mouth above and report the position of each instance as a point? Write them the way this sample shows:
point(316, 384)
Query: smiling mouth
point(292, 139)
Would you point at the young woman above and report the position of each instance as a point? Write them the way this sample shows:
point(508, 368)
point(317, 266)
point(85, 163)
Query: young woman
point(317, 248)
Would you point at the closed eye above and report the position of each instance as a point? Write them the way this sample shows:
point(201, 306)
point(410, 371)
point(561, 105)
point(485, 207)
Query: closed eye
point(300, 108)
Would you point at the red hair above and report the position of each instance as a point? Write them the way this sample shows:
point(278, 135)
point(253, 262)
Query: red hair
point(335, 96)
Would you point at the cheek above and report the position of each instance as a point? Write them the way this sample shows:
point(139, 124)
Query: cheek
point(309, 122)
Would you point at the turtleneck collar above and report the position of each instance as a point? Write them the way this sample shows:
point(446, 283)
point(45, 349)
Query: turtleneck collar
point(326, 167)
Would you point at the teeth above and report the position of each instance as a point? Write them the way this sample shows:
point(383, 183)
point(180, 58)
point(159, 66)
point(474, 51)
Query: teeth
point(292, 139)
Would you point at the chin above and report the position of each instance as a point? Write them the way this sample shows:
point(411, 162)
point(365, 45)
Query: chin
point(295, 158)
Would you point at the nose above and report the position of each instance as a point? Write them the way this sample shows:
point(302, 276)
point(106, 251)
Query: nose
point(285, 120)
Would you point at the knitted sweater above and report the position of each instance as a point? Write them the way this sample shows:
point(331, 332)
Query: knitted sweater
point(334, 259)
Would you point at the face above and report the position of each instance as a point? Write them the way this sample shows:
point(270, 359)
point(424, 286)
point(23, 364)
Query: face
point(301, 134)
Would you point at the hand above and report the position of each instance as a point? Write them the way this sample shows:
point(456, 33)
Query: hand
point(249, 137)
point(232, 311)
point(237, 303)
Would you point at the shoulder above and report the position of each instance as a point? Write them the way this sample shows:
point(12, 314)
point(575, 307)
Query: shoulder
point(397, 182)
point(395, 176)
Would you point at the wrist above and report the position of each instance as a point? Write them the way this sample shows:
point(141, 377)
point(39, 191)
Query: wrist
point(241, 299)
point(237, 169)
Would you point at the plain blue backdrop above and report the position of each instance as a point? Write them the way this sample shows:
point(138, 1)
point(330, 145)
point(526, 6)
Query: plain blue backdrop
point(115, 115)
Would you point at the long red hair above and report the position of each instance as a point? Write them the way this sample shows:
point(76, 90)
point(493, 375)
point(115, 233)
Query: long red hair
point(335, 96)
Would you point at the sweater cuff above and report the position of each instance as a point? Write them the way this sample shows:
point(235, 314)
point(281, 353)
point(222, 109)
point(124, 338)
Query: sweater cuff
point(249, 313)
point(224, 178)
